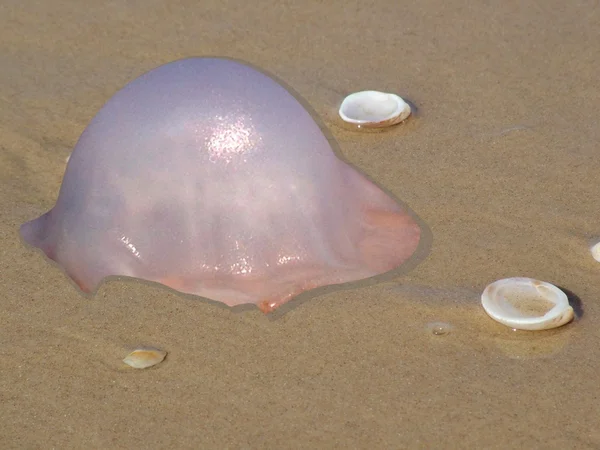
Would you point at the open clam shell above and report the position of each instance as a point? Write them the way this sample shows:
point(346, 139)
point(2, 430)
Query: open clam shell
point(374, 109)
point(595, 249)
point(526, 304)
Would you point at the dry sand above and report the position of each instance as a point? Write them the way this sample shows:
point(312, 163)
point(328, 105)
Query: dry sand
point(501, 162)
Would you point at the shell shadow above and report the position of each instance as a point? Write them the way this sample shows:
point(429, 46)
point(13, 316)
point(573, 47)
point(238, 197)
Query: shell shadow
point(574, 301)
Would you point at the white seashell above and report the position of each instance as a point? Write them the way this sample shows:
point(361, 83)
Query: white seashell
point(595, 249)
point(374, 109)
point(526, 304)
point(142, 358)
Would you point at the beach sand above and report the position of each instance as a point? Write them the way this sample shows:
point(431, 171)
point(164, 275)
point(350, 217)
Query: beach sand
point(500, 161)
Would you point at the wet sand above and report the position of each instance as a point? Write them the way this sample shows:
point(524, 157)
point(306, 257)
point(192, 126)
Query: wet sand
point(500, 161)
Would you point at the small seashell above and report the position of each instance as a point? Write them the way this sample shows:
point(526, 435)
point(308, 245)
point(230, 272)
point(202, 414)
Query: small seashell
point(526, 304)
point(374, 109)
point(439, 328)
point(142, 358)
point(595, 249)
